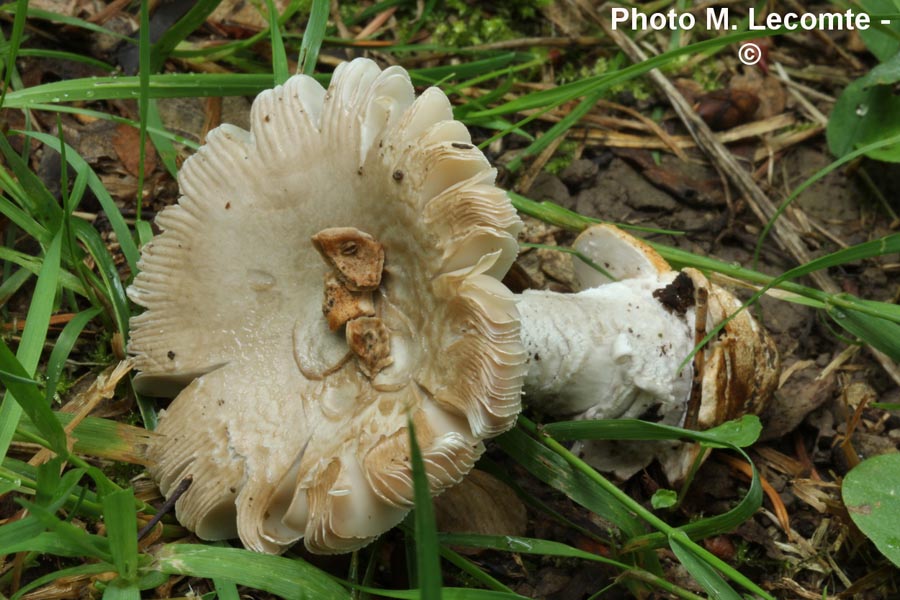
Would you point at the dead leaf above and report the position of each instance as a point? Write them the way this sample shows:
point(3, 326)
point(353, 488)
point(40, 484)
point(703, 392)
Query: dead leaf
point(126, 142)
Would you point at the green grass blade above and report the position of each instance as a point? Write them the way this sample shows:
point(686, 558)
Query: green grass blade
point(558, 129)
point(61, 55)
point(102, 438)
point(13, 284)
point(741, 433)
point(168, 85)
point(29, 190)
point(113, 290)
point(79, 571)
point(878, 333)
point(119, 589)
point(45, 15)
point(24, 221)
point(31, 401)
point(312, 37)
point(33, 265)
point(553, 470)
point(144, 49)
point(121, 530)
point(30, 347)
point(286, 577)
point(279, 56)
point(77, 538)
point(226, 589)
point(162, 139)
point(13, 46)
point(428, 561)
point(177, 33)
point(705, 575)
point(123, 233)
point(733, 434)
point(63, 347)
point(816, 177)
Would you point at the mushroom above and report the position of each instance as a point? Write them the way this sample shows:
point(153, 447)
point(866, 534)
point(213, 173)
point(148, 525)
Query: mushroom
point(335, 272)
point(324, 277)
point(614, 350)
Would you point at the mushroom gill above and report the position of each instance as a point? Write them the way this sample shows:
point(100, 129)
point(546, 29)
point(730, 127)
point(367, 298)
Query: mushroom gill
point(284, 435)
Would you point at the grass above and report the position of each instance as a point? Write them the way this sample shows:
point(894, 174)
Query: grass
point(62, 265)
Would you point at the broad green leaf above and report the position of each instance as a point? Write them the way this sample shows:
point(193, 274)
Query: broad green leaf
point(871, 492)
point(663, 498)
point(865, 114)
point(882, 40)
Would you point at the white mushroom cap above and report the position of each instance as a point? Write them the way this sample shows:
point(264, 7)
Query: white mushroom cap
point(279, 447)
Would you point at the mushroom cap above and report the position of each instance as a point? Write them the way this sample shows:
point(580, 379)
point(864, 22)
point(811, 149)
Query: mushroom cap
point(740, 367)
point(281, 445)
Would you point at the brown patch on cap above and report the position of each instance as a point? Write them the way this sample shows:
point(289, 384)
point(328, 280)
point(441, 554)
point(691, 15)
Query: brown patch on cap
point(358, 257)
point(370, 340)
point(342, 304)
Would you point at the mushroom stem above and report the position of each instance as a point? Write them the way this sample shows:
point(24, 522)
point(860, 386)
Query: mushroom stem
point(617, 350)
point(608, 352)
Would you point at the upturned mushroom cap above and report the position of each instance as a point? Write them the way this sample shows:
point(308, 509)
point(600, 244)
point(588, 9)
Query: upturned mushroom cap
point(285, 437)
point(740, 366)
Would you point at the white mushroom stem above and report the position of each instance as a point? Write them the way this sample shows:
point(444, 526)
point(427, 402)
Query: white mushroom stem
point(618, 349)
point(608, 352)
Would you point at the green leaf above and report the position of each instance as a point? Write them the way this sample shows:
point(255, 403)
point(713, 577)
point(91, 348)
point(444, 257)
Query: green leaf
point(552, 469)
point(287, 577)
point(886, 73)
point(313, 36)
point(121, 529)
point(25, 362)
point(123, 234)
point(871, 492)
point(865, 114)
point(878, 333)
point(177, 33)
point(705, 575)
point(15, 378)
point(61, 349)
point(738, 433)
point(663, 498)
point(428, 561)
point(882, 40)
point(119, 589)
point(279, 57)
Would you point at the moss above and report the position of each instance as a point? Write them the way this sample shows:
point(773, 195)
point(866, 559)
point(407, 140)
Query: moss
point(562, 158)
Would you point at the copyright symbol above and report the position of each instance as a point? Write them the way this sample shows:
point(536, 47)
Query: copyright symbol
point(749, 54)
